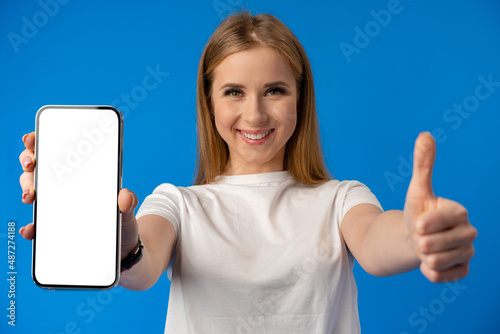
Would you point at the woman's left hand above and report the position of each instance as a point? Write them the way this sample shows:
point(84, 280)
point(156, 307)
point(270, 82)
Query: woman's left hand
point(442, 234)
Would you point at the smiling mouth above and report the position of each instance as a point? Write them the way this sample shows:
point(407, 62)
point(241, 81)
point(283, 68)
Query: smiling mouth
point(256, 136)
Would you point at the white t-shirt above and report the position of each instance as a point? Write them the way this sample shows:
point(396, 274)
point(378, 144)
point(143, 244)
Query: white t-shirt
point(260, 253)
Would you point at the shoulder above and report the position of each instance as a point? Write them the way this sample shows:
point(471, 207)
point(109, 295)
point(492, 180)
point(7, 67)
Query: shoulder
point(179, 194)
point(332, 191)
point(171, 188)
point(343, 186)
point(169, 201)
point(335, 186)
point(348, 193)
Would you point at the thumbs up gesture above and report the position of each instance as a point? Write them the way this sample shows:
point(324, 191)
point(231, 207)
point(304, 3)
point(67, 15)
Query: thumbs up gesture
point(442, 235)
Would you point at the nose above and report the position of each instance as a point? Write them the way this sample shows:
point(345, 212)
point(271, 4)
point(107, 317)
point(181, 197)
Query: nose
point(255, 112)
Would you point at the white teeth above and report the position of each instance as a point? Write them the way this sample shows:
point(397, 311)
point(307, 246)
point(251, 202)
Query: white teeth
point(255, 137)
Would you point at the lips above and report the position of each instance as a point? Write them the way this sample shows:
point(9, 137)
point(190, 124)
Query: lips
point(256, 136)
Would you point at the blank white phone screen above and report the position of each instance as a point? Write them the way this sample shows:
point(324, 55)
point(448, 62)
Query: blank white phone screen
point(77, 180)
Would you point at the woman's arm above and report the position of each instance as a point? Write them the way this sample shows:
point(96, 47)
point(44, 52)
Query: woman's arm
point(432, 232)
point(158, 237)
point(380, 241)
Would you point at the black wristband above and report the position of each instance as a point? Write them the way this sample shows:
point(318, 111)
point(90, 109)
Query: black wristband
point(133, 257)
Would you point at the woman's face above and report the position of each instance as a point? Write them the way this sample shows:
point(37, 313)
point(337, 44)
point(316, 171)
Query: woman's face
point(254, 99)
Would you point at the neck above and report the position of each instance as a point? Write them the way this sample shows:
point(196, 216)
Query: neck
point(238, 169)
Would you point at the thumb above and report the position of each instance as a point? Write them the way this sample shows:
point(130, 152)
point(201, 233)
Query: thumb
point(127, 202)
point(423, 162)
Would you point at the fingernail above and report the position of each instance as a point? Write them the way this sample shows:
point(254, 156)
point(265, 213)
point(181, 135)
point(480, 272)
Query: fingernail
point(27, 162)
point(22, 230)
point(25, 193)
point(24, 138)
point(133, 199)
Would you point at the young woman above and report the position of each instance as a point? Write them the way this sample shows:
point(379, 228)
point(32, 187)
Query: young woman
point(265, 241)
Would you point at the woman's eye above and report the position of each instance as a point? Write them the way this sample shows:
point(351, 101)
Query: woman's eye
point(275, 91)
point(233, 93)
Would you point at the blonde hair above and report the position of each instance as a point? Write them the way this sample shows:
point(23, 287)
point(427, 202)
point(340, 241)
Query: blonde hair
point(239, 32)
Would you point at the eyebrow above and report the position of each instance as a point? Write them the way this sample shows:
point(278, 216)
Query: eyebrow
point(269, 84)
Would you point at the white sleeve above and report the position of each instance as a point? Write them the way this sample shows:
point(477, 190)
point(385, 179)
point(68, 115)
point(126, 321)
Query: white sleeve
point(358, 193)
point(165, 201)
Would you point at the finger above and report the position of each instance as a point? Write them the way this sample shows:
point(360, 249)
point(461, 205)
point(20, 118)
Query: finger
point(423, 162)
point(28, 231)
point(447, 215)
point(450, 275)
point(26, 182)
point(127, 202)
point(29, 141)
point(449, 259)
point(27, 160)
point(462, 235)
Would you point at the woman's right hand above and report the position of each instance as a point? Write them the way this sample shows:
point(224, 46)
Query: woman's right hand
point(127, 200)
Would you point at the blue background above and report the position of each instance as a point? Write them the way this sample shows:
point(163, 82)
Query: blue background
point(402, 79)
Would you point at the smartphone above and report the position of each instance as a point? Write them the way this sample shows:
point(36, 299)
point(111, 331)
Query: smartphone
point(78, 152)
